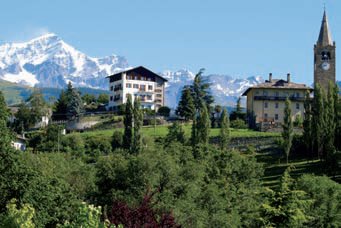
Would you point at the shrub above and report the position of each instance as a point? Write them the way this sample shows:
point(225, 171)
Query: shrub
point(164, 111)
point(238, 124)
point(117, 140)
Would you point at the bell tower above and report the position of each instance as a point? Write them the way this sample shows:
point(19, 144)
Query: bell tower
point(324, 56)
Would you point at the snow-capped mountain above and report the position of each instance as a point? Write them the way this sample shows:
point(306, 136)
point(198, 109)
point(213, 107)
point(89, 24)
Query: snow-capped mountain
point(224, 88)
point(47, 61)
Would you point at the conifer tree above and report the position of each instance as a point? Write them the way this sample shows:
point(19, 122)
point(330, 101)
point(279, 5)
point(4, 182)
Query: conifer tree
point(224, 129)
point(337, 116)
point(75, 108)
point(330, 122)
point(4, 113)
point(186, 106)
point(318, 119)
point(200, 91)
point(138, 121)
point(38, 106)
point(128, 124)
point(287, 133)
point(307, 123)
point(203, 125)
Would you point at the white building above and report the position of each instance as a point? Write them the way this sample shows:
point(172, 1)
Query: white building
point(19, 143)
point(140, 83)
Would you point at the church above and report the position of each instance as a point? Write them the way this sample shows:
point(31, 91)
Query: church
point(266, 101)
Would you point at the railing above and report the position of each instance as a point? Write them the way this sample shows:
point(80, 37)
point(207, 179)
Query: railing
point(275, 98)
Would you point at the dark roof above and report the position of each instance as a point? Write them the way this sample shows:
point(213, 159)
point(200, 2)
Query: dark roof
point(325, 37)
point(278, 84)
point(139, 69)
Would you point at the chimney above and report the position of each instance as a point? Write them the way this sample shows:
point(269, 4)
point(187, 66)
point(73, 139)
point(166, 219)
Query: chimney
point(288, 77)
point(270, 77)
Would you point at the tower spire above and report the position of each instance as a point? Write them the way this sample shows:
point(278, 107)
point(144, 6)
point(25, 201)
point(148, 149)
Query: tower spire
point(325, 37)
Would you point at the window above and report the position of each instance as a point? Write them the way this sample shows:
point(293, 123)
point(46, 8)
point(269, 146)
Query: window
point(150, 87)
point(136, 86)
point(265, 93)
point(257, 92)
point(297, 94)
point(276, 116)
point(276, 105)
point(265, 115)
point(297, 105)
point(143, 87)
point(158, 95)
point(143, 78)
point(266, 105)
point(111, 88)
point(128, 85)
point(111, 98)
point(128, 77)
point(149, 97)
point(136, 77)
point(276, 94)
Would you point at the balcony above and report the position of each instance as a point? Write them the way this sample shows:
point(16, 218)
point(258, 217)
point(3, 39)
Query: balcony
point(117, 88)
point(277, 98)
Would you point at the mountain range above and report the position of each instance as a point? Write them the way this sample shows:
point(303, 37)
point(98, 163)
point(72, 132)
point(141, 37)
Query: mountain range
point(48, 61)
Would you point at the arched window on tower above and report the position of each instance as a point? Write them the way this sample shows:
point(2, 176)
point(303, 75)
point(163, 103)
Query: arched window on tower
point(325, 56)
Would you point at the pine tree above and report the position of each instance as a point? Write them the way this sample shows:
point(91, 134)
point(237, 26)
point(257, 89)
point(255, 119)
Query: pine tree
point(138, 121)
point(60, 107)
point(128, 124)
point(224, 129)
point(186, 106)
point(38, 106)
point(75, 108)
point(287, 133)
point(307, 124)
point(200, 91)
point(238, 106)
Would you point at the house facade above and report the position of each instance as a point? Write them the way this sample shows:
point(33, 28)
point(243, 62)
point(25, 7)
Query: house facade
point(139, 82)
point(266, 101)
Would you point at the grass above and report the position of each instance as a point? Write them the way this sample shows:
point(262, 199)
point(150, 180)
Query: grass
point(162, 130)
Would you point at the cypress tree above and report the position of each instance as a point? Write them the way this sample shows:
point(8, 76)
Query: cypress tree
point(287, 133)
point(128, 124)
point(138, 121)
point(318, 119)
point(307, 123)
point(337, 116)
point(330, 122)
point(203, 125)
point(224, 129)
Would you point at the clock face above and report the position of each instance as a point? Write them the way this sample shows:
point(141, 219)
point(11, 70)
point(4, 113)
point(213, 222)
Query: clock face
point(325, 66)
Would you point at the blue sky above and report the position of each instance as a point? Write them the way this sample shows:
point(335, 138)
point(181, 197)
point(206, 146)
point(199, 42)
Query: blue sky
point(241, 38)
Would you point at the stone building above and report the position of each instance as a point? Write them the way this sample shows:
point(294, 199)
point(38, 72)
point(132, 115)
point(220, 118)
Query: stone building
point(140, 83)
point(266, 101)
point(324, 56)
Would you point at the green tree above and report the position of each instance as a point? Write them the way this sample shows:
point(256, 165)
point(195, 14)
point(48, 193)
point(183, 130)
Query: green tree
point(287, 133)
point(17, 218)
point(186, 106)
point(330, 126)
point(337, 106)
point(318, 119)
point(201, 91)
point(4, 112)
point(138, 121)
point(38, 106)
point(60, 107)
point(224, 129)
point(175, 134)
point(128, 124)
point(287, 207)
point(23, 118)
point(308, 124)
point(203, 125)
point(164, 111)
point(88, 98)
point(103, 98)
point(325, 194)
point(75, 107)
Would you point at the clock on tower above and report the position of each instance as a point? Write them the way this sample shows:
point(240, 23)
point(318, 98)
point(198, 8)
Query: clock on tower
point(324, 56)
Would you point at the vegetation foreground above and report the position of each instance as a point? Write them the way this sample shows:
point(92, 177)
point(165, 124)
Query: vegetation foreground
point(199, 174)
